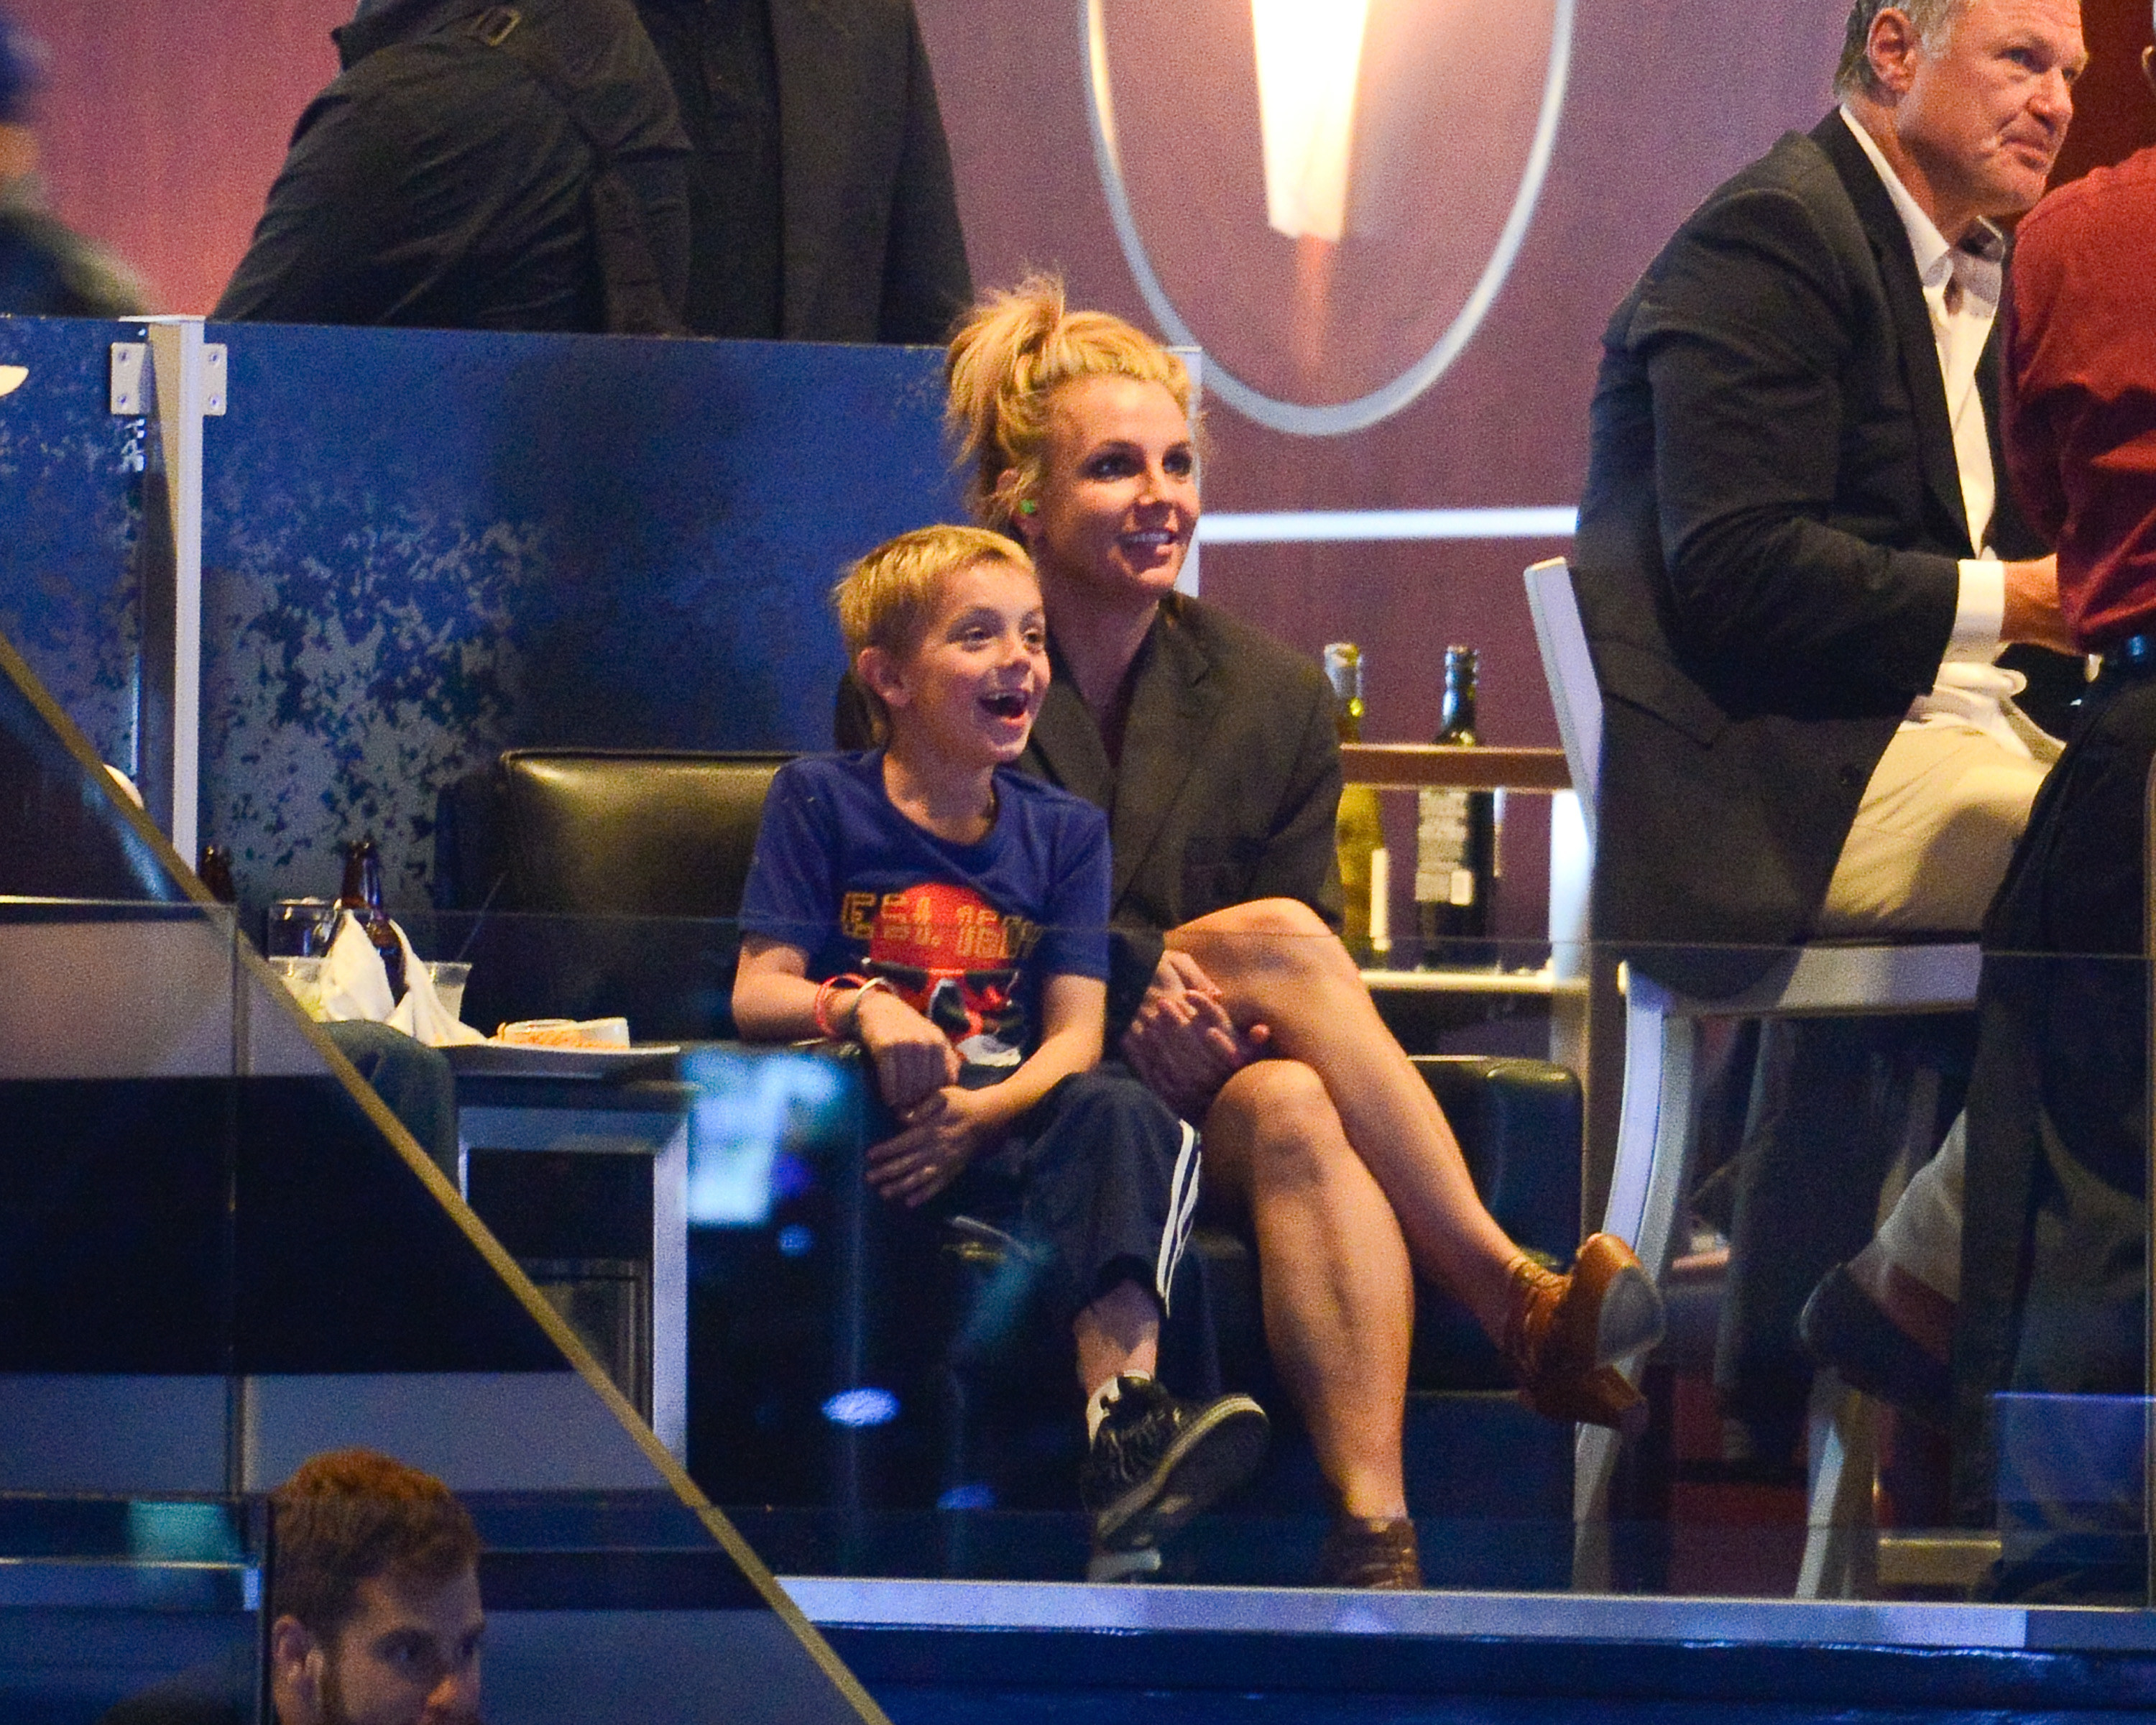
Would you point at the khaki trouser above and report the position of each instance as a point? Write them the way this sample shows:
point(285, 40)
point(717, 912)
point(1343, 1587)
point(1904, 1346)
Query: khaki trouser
point(1937, 825)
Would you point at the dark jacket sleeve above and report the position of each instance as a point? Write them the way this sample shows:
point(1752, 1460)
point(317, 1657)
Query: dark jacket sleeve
point(927, 284)
point(1748, 330)
point(325, 211)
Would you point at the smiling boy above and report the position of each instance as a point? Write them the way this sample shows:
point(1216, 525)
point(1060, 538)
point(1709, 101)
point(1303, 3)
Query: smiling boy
point(949, 914)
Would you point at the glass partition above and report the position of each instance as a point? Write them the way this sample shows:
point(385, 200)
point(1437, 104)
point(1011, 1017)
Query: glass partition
point(229, 1255)
point(593, 1290)
point(870, 1392)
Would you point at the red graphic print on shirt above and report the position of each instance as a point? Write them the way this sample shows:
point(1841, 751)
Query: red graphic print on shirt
point(954, 958)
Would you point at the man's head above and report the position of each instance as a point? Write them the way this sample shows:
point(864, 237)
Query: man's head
point(22, 69)
point(1968, 99)
point(1929, 19)
point(374, 1596)
point(949, 616)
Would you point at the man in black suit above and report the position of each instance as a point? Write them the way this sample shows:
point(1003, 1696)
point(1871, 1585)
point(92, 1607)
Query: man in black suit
point(821, 207)
point(1790, 565)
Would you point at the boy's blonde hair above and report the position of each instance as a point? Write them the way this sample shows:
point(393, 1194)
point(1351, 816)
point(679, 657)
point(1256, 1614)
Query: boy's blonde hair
point(1007, 360)
point(889, 597)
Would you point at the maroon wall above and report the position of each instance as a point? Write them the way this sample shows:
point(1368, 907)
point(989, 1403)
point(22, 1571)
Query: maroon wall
point(166, 123)
point(1643, 136)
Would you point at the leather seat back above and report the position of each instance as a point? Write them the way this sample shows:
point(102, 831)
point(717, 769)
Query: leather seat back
point(647, 849)
point(610, 833)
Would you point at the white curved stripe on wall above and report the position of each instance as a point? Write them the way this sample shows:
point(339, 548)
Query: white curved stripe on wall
point(1323, 526)
point(1334, 418)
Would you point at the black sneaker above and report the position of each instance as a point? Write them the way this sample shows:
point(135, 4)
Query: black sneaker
point(1156, 1462)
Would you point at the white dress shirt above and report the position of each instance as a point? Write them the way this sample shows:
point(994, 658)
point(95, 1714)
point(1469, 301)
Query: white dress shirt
point(1962, 286)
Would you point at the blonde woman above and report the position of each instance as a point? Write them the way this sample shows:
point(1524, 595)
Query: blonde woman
point(1212, 749)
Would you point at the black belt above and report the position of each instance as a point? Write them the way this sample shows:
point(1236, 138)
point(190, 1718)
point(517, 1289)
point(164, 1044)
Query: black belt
point(2131, 660)
point(2136, 652)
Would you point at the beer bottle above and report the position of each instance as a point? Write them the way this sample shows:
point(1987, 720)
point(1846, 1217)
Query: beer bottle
point(1456, 840)
point(1359, 830)
point(361, 895)
point(214, 871)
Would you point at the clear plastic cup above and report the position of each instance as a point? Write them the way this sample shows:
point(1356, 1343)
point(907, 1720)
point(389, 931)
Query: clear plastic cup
point(449, 979)
point(303, 976)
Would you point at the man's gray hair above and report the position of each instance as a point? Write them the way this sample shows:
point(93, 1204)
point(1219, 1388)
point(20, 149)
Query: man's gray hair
point(1931, 19)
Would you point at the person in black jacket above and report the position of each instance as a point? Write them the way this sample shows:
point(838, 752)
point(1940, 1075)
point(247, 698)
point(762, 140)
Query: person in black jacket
point(821, 207)
point(479, 166)
point(1797, 559)
point(1213, 751)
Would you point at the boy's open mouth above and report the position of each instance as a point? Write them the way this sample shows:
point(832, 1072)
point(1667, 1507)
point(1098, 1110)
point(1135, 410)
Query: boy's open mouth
point(1009, 705)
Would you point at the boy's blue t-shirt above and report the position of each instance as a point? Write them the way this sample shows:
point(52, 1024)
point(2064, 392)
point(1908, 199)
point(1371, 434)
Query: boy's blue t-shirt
point(965, 934)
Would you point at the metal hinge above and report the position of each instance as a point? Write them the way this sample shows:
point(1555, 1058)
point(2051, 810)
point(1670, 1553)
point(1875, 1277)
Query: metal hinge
point(131, 359)
point(128, 361)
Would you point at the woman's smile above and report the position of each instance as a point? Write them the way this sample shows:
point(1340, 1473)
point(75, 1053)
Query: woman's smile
point(1119, 491)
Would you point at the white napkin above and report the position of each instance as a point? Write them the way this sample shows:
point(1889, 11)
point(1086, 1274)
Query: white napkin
point(355, 985)
point(420, 1015)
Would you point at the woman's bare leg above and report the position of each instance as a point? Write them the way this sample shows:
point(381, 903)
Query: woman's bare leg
point(1276, 963)
point(1339, 1292)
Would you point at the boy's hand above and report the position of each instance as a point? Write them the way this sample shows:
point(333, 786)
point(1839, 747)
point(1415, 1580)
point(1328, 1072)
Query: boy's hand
point(943, 1134)
point(913, 1060)
point(1182, 1043)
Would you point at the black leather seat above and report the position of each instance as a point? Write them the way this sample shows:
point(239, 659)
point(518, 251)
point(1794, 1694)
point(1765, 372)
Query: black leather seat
point(648, 848)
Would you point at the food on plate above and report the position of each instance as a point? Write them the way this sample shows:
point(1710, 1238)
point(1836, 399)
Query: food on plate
point(566, 1033)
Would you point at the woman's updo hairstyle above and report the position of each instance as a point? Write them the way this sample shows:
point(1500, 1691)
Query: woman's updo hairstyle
point(1007, 360)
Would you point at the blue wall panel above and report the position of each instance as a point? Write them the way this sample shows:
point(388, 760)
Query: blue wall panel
point(421, 548)
point(70, 506)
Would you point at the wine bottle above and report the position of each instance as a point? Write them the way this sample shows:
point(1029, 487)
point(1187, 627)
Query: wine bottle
point(361, 895)
point(1456, 840)
point(1359, 830)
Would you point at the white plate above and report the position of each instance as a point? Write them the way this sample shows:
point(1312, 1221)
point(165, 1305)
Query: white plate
point(521, 1059)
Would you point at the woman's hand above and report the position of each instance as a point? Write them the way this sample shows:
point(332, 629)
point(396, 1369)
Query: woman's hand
point(913, 1060)
point(1181, 1041)
point(943, 1134)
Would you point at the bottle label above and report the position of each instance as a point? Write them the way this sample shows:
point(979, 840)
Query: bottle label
point(1441, 832)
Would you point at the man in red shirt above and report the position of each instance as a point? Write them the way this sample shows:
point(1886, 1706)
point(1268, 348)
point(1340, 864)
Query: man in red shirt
point(2052, 1251)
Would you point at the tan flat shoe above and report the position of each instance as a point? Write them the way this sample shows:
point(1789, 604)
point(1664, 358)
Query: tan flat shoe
point(1566, 1332)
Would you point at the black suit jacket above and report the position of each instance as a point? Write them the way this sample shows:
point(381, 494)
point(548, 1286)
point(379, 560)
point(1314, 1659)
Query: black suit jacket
point(1227, 790)
point(1767, 550)
point(874, 251)
point(866, 245)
